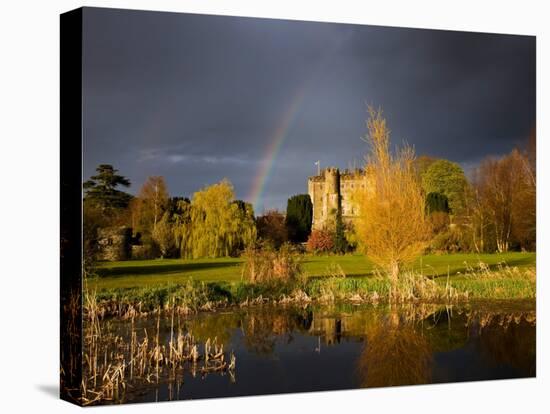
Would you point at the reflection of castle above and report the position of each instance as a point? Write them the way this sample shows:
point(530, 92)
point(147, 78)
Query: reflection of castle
point(331, 191)
point(330, 329)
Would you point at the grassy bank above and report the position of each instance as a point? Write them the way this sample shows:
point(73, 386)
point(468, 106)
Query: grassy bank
point(443, 281)
point(155, 273)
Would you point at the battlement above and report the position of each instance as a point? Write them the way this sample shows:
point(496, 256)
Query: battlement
point(344, 174)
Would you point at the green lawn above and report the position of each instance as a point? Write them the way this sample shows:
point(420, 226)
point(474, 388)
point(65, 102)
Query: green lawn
point(149, 273)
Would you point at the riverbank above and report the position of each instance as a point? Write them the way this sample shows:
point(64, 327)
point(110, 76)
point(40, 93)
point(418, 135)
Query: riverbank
point(475, 283)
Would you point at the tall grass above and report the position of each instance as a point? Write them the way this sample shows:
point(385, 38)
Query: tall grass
point(504, 282)
point(266, 265)
point(111, 362)
point(286, 282)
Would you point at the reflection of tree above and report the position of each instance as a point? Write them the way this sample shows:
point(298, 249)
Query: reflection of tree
point(214, 325)
point(261, 329)
point(395, 354)
point(510, 340)
point(259, 337)
point(446, 331)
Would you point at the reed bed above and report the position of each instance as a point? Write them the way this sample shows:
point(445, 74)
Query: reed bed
point(502, 282)
point(112, 363)
point(71, 340)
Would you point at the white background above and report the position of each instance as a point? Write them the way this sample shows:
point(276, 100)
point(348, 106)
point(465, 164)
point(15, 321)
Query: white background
point(29, 206)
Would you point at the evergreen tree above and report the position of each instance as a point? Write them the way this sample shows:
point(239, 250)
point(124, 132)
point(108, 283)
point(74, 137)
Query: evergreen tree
point(101, 189)
point(299, 215)
point(437, 202)
point(340, 242)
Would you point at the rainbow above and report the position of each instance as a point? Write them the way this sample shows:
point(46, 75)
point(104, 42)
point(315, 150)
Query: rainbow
point(276, 141)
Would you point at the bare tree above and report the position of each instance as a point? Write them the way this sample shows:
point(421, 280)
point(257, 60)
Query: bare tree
point(507, 192)
point(392, 227)
point(151, 203)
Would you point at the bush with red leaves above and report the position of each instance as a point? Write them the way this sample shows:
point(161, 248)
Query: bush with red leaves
point(320, 241)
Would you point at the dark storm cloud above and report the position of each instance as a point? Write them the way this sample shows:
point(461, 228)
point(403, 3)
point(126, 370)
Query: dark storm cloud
point(198, 98)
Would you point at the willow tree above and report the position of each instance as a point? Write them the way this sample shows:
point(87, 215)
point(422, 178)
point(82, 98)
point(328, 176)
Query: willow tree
point(219, 225)
point(163, 235)
point(392, 227)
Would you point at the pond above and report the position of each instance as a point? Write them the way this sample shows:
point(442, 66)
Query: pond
point(313, 348)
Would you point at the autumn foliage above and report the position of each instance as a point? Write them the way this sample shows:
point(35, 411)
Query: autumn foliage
point(393, 228)
point(504, 203)
point(320, 241)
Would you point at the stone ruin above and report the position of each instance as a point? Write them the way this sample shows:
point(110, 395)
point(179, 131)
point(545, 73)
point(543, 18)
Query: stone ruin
point(114, 243)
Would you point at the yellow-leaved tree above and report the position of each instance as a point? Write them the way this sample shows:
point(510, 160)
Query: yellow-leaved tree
point(220, 225)
point(392, 228)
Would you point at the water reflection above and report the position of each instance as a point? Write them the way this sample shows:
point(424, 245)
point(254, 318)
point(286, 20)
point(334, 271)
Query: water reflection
point(395, 353)
point(289, 349)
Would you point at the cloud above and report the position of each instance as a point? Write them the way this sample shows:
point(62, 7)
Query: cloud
point(157, 155)
point(197, 98)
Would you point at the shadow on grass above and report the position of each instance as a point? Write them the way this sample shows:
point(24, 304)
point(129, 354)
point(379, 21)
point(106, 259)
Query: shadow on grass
point(161, 269)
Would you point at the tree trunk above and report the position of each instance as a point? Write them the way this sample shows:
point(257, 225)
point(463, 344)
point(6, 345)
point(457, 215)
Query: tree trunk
point(394, 275)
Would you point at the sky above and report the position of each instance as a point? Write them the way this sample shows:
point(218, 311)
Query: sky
point(197, 98)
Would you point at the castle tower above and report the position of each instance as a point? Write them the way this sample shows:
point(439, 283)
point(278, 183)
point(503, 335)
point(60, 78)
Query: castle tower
point(331, 192)
point(324, 191)
point(331, 199)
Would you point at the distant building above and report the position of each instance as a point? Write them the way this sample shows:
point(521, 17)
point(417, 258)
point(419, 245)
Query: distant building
point(331, 191)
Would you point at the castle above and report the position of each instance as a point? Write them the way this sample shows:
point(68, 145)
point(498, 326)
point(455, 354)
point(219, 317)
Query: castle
point(331, 192)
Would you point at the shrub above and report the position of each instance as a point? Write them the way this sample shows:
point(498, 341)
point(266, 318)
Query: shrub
point(263, 264)
point(448, 241)
point(143, 252)
point(272, 228)
point(144, 247)
point(320, 241)
point(439, 221)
